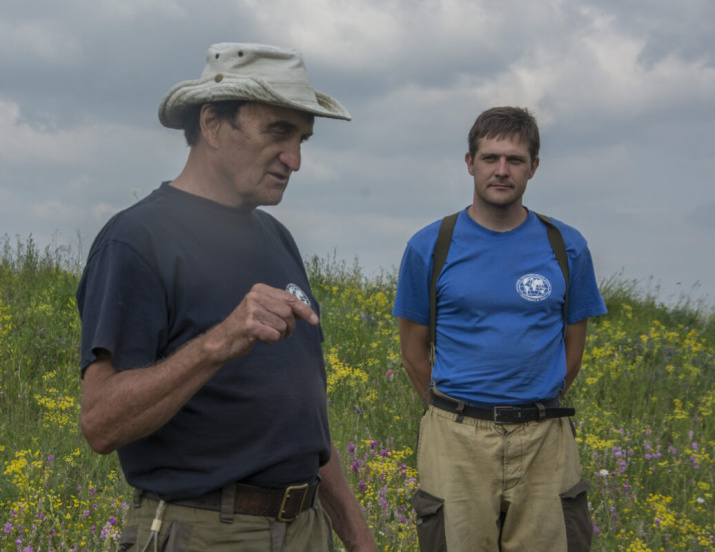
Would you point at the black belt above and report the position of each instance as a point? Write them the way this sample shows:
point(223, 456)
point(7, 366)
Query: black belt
point(282, 504)
point(504, 414)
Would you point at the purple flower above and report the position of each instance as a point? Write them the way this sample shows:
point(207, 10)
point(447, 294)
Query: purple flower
point(8, 528)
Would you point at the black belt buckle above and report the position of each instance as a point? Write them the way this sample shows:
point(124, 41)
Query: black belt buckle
point(498, 409)
point(286, 497)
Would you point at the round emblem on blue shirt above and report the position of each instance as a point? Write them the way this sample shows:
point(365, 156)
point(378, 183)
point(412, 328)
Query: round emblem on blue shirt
point(533, 287)
point(299, 293)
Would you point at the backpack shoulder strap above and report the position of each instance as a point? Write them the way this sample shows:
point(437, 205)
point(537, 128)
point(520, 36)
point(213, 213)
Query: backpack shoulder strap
point(557, 244)
point(439, 256)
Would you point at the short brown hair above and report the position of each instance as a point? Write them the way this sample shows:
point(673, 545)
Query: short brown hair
point(505, 122)
point(192, 118)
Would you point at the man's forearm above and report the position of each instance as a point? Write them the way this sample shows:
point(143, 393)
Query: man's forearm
point(575, 343)
point(414, 342)
point(420, 374)
point(343, 509)
point(121, 407)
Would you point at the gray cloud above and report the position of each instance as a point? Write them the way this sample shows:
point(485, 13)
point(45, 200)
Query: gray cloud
point(623, 92)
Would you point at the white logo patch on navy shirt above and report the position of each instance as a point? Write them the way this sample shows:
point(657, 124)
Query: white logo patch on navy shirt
point(299, 293)
point(533, 287)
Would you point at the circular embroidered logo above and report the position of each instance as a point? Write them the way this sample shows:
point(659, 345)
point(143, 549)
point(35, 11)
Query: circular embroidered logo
point(533, 287)
point(299, 293)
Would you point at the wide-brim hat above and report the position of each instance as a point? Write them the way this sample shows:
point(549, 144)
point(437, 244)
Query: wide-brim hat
point(254, 73)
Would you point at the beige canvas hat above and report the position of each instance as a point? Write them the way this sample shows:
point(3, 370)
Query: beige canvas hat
point(254, 73)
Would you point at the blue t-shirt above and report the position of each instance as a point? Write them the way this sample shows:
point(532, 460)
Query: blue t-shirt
point(500, 299)
point(163, 272)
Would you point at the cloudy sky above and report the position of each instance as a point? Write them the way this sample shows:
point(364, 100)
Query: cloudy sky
point(624, 91)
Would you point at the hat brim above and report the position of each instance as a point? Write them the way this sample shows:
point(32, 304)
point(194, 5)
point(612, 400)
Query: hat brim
point(197, 92)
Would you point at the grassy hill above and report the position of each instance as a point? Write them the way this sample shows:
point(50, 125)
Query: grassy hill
point(645, 403)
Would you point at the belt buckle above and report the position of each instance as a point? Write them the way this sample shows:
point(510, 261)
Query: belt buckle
point(498, 409)
point(286, 496)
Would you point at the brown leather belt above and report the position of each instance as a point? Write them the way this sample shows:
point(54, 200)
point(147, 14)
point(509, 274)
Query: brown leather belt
point(283, 504)
point(504, 414)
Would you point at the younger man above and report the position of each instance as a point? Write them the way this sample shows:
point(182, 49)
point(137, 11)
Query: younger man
point(497, 459)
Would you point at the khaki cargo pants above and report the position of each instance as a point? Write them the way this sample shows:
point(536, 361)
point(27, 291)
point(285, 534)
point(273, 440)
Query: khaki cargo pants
point(187, 529)
point(487, 487)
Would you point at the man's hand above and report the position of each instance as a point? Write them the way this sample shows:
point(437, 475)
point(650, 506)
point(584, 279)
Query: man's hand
point(267, 314)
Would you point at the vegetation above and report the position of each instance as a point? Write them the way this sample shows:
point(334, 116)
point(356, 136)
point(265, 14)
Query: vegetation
point(645, 402)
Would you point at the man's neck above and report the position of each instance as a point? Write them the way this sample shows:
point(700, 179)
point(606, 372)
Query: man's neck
point(198, 178)
point(498, 219)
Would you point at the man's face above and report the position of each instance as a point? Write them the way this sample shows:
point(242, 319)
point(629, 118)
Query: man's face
point(501, 167)
point(254, 158)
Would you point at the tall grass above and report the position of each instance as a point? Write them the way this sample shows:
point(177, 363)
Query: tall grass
point(645, 401)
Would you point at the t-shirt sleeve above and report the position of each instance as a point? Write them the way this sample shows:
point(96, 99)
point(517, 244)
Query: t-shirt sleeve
point(123, 308)
point(585, 299)
point(413, 286)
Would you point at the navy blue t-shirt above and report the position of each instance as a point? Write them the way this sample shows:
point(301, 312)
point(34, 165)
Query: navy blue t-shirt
point(165, 271)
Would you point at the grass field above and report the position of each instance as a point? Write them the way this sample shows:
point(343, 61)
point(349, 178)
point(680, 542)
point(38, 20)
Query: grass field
point(645, 403)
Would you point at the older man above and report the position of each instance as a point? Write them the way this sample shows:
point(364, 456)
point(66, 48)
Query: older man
point(201, 344)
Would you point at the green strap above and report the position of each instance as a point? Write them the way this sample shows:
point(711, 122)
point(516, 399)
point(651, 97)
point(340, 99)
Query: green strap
point(441, 249)
point(439, 256)
point(557, 244)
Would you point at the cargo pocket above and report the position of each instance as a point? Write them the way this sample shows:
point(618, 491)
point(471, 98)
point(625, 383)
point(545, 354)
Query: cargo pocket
point(579, 527)
point(128, 538)
point(430, 522)
point(176, 538)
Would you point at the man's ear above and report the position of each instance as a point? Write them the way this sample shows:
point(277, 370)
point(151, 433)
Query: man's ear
point(470, 162)
point(534, 166)
point(210, 125)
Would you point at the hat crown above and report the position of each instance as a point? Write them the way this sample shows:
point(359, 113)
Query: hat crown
point(282, 68)
point(253, 73)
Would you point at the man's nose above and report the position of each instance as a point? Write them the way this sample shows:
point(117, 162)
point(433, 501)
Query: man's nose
point(502, 166)
point(291, 157)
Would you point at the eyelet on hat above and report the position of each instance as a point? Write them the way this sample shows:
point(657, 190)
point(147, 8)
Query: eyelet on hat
point(218, 78)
